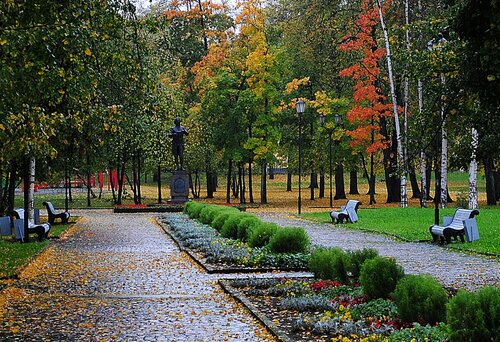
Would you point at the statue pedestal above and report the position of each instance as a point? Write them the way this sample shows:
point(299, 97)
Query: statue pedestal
point(179, 187)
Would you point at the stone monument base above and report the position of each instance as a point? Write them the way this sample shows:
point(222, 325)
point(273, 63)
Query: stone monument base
point(179, 187)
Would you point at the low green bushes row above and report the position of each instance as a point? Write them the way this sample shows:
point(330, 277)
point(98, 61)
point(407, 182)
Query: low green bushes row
point(419, 298)
point(233, 224)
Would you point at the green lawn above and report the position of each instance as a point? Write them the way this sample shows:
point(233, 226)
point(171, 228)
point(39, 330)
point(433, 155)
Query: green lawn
point(15, 254)
point(412, 224)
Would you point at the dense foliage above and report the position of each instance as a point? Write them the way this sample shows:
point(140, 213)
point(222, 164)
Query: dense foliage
point(92, 86)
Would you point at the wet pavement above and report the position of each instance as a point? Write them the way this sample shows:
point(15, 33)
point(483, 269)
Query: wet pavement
point(453, 269)
point(119, 277)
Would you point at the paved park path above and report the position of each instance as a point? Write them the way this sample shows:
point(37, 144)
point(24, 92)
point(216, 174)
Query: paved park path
point(453, 269)
point(118, 277)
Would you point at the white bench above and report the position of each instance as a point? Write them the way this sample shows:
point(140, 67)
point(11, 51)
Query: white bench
point(347, 213)
point(453, 226)
point(5, 226)
point(42, 230)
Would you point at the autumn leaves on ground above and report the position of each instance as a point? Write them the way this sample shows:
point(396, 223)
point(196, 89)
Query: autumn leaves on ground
point(118, 277)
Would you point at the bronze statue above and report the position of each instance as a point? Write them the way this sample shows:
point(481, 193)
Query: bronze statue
point(177, 133)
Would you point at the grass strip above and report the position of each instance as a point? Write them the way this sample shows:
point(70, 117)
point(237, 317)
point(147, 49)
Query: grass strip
point(412, 224)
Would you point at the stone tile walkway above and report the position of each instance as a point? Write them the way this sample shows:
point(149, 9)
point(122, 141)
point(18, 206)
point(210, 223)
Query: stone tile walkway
point(118, 277)
point(453, 269)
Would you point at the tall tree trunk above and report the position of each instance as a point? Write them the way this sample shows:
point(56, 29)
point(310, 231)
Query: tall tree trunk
point(496, 178)
point(235, 186)
point(400, 161)
point(490, 180)
point(428, 177)
point(321, 184)
point(89, 188)
point(250, 181)
point(228, 186)
point(139, 178)
point(210, 183)
point(353, 182)
point(390, 165)
point(288, 180)
point(415, 190)
point(473, 172)
point(313, 184)
point(241, 181)
point(444, 157)
point(263, 184)
point(134, 177)
point(120, 170)
point(372, 180)
point(424, 180)
point(158, 171)
point(339, 182)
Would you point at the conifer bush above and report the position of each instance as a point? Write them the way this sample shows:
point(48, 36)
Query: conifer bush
point(221, 217)
point(193, 209)
point(330, 263)
point(420, 298)
point(379, 277)
point(245, 226)
point(474, 316)
point(357, 258)
point(230, 227)
point(289, 240)
point(208, 213)
point(261, 234)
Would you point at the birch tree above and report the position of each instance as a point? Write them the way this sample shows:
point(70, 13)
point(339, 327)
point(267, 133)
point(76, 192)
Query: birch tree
point(399, 142)
point(473, 171)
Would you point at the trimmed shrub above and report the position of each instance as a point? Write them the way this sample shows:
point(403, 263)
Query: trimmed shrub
point(221, 217)
point(289, 240)
point(357, 258)
point(208, 213)
point(245, 226)
point(420, 298)
point(261, 234)
point(230, 227)
point(379, 277)
point(475, 317)
point(330, 263)
point(193, 209)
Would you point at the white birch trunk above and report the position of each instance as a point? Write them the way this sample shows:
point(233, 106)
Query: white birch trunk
point(423, 156)
point(473, 172)
point(444, 156)
point(423, 179)
point(406, 83)
point(31, 194)
point(401, 157)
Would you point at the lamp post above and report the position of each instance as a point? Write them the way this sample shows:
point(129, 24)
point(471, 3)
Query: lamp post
point(300, 106)
point(330, 130)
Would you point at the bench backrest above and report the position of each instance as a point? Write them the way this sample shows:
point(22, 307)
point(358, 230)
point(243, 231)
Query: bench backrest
point(351, 205)
point(460, 216)
point(19, 213)
point(50, 207)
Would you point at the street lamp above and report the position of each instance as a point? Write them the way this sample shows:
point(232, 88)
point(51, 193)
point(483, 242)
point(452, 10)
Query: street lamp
point(300, 106)
point(330, 130)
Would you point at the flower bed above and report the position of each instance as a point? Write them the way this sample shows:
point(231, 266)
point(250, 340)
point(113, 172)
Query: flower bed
point(308, 309)
point(219, 254)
